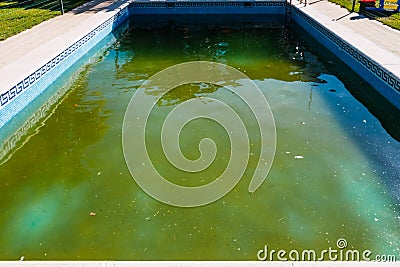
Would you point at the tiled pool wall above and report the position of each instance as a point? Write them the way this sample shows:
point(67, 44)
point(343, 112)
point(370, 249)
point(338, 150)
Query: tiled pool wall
point(155, 14)
point(385, 82)
point(29, 100)
point(19, 97)
point(25, 91)
point(209, 7)
point(14, 132)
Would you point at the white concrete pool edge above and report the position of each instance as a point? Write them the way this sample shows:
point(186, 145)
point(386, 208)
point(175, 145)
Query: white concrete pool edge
point(345, 34)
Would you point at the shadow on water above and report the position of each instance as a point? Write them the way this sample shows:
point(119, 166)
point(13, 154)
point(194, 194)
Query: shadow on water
point(382, 109)
point(386, 113)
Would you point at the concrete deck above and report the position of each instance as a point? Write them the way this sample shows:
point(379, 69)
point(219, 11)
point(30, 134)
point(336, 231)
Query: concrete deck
point(23, 53)
point(376, 40)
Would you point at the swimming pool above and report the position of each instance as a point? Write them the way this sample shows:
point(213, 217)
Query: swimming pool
point(335, 173)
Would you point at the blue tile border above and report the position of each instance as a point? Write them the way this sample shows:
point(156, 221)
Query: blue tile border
point(386, 77)
point(41, 102)
point(32, 79)
point(209, 7)
point(207, 4)
point(12, 141)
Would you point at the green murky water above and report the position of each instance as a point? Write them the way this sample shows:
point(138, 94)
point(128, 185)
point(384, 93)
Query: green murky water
point(344, 185)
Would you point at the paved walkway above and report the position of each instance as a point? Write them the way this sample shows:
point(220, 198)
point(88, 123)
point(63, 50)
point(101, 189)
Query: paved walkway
point(22, 54)
point(379, 42)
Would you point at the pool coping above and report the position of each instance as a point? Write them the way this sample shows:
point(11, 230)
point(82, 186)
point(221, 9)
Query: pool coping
point(346, 35)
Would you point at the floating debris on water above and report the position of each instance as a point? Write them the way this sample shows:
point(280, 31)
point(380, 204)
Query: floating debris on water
point(92, 213)
point(298, 157)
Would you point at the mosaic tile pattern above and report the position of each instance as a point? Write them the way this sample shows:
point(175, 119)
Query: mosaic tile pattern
point(11, 142)
point(387, 77)
point(208, 4)
point(16, 99)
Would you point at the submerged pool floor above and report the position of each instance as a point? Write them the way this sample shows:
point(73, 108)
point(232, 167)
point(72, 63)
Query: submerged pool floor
point(335, 174)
